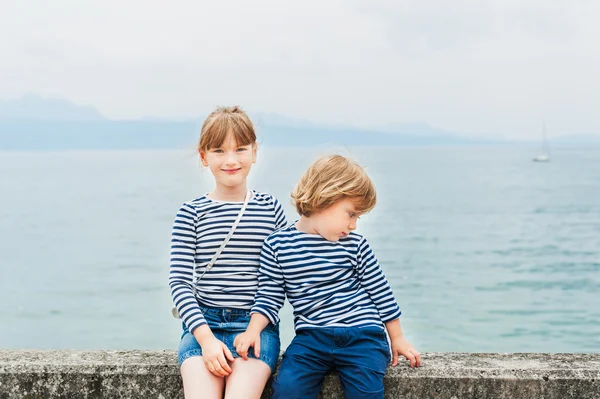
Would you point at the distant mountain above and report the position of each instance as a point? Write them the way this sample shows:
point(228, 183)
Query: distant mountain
point(282, 135)
point(576, 139)
point(55, 135)
point(261, 119)
point(418, 128)
point(34, 123)
point(283, 130)
point(60, 135)
point(32, 106)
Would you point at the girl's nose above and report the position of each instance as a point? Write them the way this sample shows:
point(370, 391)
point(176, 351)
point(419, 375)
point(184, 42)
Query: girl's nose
point(230, 159)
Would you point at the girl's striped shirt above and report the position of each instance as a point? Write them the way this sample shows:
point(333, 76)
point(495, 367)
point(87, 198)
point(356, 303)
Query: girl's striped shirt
point(200, 227)
point(329, 284)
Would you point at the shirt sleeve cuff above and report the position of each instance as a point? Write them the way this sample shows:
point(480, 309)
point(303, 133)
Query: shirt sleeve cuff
point(273, 319)
point(391, 316)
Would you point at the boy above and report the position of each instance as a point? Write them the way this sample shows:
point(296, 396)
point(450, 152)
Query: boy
point(341, 299)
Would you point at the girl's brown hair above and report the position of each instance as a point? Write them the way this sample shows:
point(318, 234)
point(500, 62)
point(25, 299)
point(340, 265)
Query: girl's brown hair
point(221, 122)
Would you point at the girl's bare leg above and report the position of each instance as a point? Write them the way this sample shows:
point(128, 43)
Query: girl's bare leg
point(247, 380)
point(198, 382)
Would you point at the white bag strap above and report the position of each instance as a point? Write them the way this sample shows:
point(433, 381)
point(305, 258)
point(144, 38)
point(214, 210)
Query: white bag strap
point(210, 264)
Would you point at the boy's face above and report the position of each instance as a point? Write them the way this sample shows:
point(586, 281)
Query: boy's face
point(337, 221)
point(230, 163)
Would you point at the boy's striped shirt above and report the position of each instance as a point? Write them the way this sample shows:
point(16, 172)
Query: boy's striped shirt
point(329, 284)
point(200, 227)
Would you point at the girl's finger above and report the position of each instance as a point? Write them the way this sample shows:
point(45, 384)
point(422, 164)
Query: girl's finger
point(227, 353)
point(218, 369)
point(211, 368)
point(223, 364)
point(395, 359)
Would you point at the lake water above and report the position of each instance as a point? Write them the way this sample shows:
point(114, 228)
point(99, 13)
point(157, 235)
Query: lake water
point(484, 249)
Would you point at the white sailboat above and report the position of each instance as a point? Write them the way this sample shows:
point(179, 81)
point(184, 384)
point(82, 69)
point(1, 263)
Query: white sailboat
point(545, 155)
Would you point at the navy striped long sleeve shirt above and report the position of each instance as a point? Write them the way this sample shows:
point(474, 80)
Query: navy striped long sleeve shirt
point(329, 284)
point(200, 227)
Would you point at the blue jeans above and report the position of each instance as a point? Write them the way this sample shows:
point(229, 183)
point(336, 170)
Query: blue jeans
point(360, 355)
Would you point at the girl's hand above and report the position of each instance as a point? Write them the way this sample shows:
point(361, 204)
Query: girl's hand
point(400, 346)
point(244, 341)
point(215, 355)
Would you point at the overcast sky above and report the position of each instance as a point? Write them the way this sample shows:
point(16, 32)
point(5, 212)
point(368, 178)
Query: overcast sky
point(496, 67)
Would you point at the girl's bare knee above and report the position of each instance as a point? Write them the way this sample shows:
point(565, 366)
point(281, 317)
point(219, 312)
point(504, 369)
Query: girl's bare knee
point(248, 379)
point(198, 382)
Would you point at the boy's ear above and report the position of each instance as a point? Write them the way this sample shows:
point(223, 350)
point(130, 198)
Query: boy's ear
point(254, 150)
point(203, 158)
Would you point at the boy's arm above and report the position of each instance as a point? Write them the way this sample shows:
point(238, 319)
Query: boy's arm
point(374, 282)
point(268, 300)
point(270, 295)
point(258, 322)
point(251, 337)
point(400, 346)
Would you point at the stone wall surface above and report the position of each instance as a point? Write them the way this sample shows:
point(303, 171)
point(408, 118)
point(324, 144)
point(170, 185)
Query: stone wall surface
point(155, 374)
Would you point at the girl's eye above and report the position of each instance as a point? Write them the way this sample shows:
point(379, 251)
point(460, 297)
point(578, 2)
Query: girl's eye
point(352, 214)
point(218, 151)
point(241, 149)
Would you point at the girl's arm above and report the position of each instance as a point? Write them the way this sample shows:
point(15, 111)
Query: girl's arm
point(183, 251)
point(280, 219)
point(214, 352)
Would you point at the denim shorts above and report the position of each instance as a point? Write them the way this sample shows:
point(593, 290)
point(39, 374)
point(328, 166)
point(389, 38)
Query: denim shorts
point(226, 324)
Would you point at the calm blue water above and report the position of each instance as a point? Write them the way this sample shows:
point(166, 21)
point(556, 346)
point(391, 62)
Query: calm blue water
point(485, 250)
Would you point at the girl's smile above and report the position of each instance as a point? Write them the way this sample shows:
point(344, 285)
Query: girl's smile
point(230, 164)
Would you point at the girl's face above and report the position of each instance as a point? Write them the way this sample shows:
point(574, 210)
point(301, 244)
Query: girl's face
point(337, 221)
point(230, 163)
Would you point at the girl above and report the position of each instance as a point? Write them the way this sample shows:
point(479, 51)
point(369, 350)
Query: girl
point(213, 280)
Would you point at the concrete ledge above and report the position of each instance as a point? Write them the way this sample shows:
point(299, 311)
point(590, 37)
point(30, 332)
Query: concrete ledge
point(155, 374)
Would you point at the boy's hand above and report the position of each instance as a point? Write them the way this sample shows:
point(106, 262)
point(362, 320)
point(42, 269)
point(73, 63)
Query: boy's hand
point(251, 337)
point(400, 346)
point(215, 355)
point(244, 341)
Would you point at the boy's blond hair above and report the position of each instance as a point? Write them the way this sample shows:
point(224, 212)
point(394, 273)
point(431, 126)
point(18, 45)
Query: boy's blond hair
point(331, 179)
point(223, 121)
